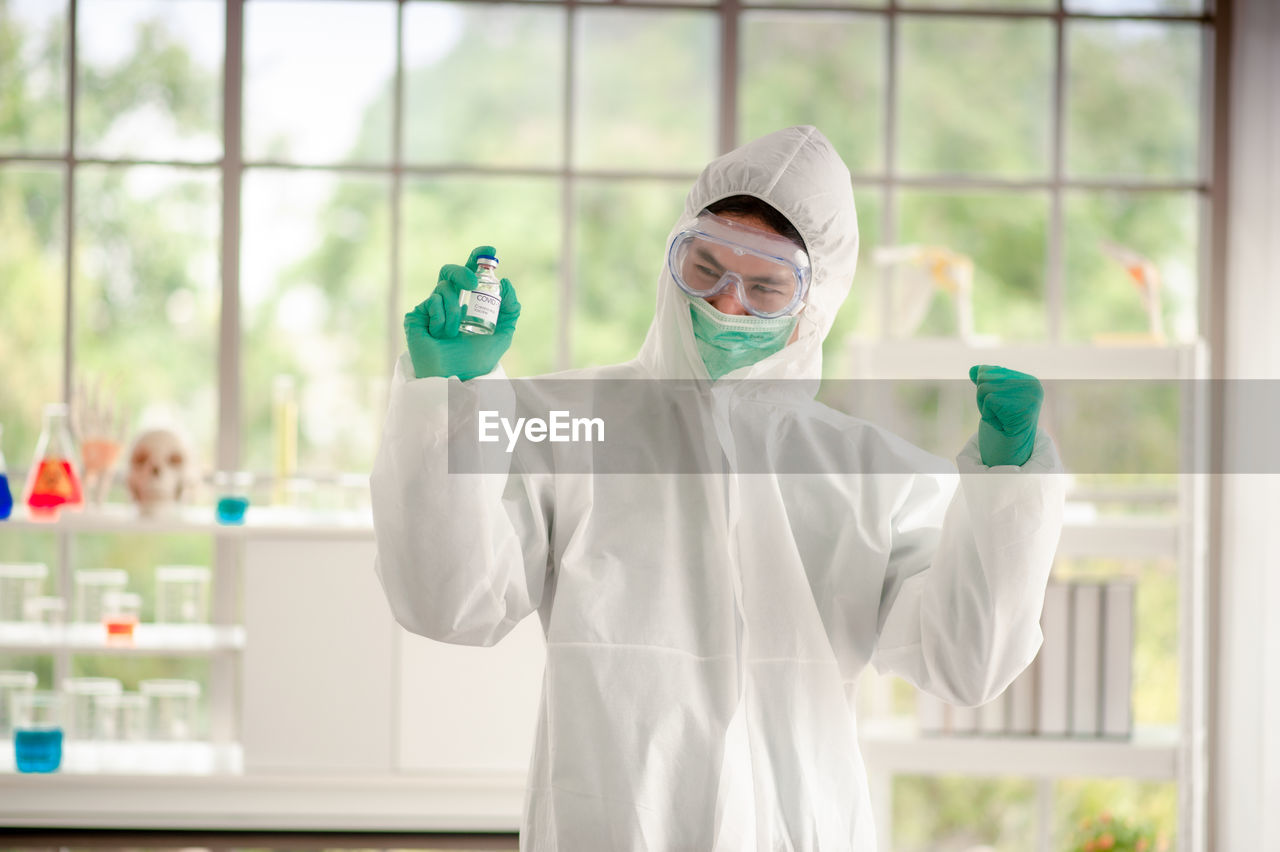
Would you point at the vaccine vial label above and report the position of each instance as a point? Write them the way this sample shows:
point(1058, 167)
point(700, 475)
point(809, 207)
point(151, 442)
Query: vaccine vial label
point(483, 305)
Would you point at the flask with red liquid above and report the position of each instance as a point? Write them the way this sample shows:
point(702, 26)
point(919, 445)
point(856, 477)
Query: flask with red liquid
point(54, 479)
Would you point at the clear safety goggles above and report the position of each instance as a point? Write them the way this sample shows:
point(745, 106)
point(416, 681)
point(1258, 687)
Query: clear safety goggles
point(770, 271)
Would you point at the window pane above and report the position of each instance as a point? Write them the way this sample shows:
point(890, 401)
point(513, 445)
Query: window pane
point(1133, 99)
point(484, 84)
point(868, 3)
point(954, 812)
point(982, 4)
point(1131, 263)
point(1004, 233)
point(149, 79)
point(622, 230)
point(1155, 622)
point(1135, 7)
point(32, 303)
point(854, 316)
point(147, 294)
point(318, 81)
point(1149, 806)
point(663, 119)
point(33, 111)
point(446, 218)
point(964, 114)
point(821, 69)
point(314, 288)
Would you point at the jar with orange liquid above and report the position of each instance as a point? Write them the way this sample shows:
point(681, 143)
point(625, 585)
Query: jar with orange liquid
point(54, 479)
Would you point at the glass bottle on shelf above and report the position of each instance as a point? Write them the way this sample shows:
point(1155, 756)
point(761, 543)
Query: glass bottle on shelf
point(6, 496)
point(54, 479)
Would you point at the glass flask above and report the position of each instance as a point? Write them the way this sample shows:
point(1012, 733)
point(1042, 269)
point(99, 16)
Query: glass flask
point(6, 496)
point(480, 306)
point(54, 479)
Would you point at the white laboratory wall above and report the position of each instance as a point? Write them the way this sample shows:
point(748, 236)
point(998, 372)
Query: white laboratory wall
point(332, 685)
point(318, 676)
point(1246, 750)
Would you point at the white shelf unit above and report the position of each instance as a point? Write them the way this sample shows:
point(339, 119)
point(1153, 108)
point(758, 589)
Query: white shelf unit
point(336, 718)
point(1179, 754)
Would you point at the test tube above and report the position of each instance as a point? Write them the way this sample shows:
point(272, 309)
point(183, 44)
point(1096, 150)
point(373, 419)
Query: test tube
point(82, 694)
point(19, 581)
point(171, 708)
point(12, 683)
point(91, 588)
point(182, 594)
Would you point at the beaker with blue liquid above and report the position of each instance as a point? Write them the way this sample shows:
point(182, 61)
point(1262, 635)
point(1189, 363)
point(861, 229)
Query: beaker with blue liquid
point(6, 496)
point(37, 730)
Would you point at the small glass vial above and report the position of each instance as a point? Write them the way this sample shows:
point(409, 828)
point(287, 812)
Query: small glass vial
point(480, 306)
point(120, 614)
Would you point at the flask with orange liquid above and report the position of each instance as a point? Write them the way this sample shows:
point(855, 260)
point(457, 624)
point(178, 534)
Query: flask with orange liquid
point(54, 479)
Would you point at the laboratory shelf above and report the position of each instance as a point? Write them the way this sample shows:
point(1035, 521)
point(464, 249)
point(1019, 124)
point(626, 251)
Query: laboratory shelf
point(1084, 533)
point(103, 759)
point(930, 359)
point(166, 639)
point(260, 522)
point(283, 801)
point(895, 746)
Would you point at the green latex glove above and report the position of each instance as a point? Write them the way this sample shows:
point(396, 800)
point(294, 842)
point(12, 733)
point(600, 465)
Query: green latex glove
point(1009, 403)
point(431, 329)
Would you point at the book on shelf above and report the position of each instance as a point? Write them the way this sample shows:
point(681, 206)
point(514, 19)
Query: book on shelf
point(1117, 659)
point(1053, 662)
point(1086, 658)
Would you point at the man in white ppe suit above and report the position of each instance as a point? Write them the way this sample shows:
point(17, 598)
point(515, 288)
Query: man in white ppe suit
point(704, 634)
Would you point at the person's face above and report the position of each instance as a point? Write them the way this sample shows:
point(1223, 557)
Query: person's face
point(756, 272)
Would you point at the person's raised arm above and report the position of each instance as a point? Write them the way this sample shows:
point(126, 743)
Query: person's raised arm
point(960, 606)
point(462, 557)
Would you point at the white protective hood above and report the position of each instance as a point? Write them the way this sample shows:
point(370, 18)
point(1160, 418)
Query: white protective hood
point(798, 173)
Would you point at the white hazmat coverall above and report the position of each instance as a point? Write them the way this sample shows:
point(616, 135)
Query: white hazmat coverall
point(704, 634)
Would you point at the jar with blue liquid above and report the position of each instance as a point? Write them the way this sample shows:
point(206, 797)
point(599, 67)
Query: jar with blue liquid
point(6, 495)
point(232, 493)
point(37, 730)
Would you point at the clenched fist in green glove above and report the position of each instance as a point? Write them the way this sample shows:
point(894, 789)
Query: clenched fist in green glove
point(1009, 403)
point(431, 329)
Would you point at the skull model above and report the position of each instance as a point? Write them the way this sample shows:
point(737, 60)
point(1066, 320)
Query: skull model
point(158, 470)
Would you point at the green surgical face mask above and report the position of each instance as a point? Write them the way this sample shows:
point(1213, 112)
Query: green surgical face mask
point(727, 342)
